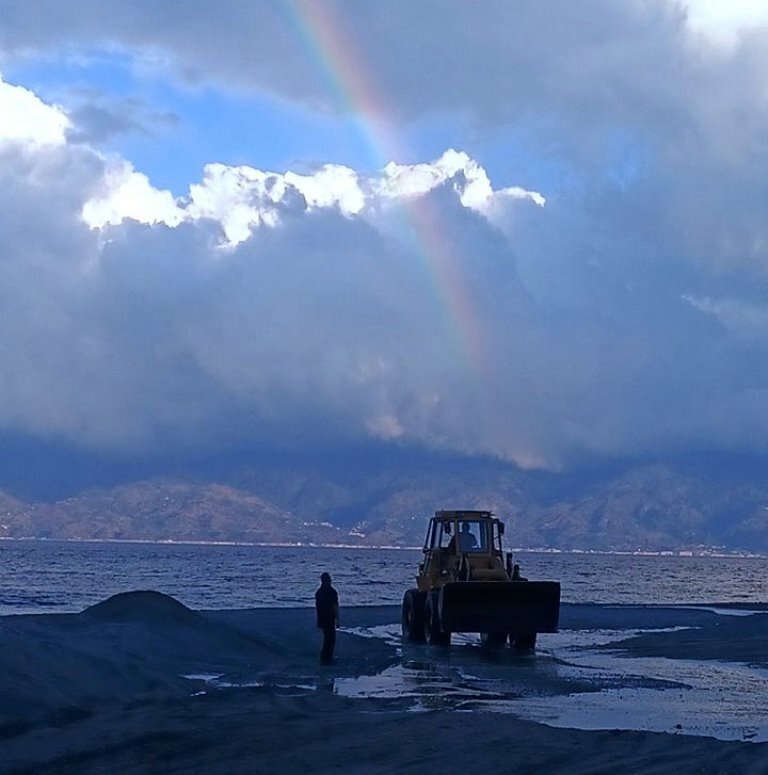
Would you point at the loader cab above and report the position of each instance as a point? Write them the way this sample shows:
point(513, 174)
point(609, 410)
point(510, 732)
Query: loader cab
point(457, 538)
point(464, 532)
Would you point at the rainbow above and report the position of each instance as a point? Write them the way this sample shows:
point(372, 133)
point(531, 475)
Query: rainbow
point(323, 35)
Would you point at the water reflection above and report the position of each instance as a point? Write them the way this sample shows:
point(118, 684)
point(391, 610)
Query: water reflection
point(573, 682)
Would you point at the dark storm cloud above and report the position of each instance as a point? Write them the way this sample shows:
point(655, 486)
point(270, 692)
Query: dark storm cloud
point(628, 315)
point(324, 328)
point(549, 61)
point(570, 71)
point(95, 124)
point(97, 121)
point(329, 328)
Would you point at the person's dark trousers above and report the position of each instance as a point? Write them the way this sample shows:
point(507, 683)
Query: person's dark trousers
point(329, 643)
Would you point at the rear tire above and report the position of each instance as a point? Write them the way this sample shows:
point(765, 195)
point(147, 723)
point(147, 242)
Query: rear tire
point(432, 632)
point(493, 640)
point(412, 616)
point(523, 642)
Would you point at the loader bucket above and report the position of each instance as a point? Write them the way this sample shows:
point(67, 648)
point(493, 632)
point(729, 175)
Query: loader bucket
point(500, 606)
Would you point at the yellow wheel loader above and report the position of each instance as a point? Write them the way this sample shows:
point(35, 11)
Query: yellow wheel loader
point(464, 584)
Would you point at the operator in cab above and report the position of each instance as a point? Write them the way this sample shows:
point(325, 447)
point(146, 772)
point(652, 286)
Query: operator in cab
point(467, 539)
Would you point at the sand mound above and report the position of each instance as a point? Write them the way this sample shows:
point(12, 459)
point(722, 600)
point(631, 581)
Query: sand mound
point(143, 606)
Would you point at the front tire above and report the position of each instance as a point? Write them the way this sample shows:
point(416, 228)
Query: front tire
point(412, 616)
point(433, 635)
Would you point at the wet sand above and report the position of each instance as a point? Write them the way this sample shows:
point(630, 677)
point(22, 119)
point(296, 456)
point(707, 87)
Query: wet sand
point(141, 684)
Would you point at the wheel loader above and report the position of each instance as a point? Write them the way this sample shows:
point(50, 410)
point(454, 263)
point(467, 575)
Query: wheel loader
point(464, 584)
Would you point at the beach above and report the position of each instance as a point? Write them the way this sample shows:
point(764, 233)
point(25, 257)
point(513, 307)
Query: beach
point(141, 684)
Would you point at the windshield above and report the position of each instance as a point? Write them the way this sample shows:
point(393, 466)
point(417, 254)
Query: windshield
point(471, 537)
point(460, 537)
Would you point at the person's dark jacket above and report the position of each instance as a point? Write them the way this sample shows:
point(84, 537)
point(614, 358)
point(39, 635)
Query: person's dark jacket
point(327, 605)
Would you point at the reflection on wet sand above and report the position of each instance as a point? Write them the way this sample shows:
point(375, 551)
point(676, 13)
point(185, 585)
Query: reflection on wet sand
point(579, 679)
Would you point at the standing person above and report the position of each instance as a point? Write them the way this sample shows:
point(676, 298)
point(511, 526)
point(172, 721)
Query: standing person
point(327, 605)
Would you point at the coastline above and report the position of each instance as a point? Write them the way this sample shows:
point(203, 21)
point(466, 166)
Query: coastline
point(709, 552)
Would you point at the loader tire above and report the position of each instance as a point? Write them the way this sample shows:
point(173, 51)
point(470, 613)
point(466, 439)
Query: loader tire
point(433, 635)
point(493, 640)
point(412, 616)
point(524, 642)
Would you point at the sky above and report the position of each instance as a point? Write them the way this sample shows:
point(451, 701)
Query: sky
point(535, 231)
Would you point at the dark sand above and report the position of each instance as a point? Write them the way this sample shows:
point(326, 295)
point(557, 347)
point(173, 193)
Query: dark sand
point(104, 692)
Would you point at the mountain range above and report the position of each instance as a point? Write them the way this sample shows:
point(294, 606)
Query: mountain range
point(689, 504)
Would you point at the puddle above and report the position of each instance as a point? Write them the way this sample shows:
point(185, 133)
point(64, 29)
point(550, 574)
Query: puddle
point(723, 611)
point(205, 677)
point(571, 683)
point(726, 701)
point(428, 685)
point(217, 681)
point(466, 676)
point(391, 635)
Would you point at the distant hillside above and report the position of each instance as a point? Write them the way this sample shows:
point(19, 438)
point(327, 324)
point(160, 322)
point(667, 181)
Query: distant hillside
point(161, 510)
point(649, 507)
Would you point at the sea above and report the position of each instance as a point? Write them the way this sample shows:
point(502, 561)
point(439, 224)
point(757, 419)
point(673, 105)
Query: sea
point(47, 576)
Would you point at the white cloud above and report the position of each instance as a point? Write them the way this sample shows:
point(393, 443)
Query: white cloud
point(469, 179)
point(26, 118)
point(385, 427)
point(129, 194)
point(745, 320)
point(243, 198)
point(724, 22)
point(331, 186)
point(237, 197)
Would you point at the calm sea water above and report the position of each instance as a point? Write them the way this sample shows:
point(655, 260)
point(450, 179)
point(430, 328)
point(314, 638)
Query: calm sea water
point(63, 576)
